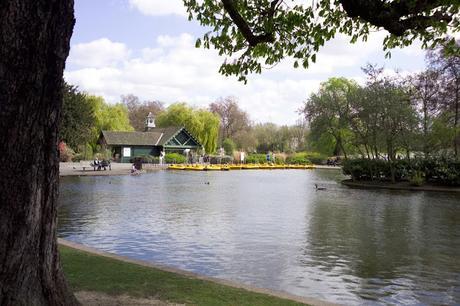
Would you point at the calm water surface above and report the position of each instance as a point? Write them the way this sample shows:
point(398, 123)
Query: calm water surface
point(272, 229)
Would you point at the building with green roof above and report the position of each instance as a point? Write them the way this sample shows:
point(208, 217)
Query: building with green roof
point(127, 145)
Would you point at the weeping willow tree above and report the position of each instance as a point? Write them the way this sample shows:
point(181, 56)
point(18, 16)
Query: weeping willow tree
point(203, 124)
point(108, 117)
point(210, 132)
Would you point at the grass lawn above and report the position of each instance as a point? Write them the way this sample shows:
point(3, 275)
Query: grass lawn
point(88, 272)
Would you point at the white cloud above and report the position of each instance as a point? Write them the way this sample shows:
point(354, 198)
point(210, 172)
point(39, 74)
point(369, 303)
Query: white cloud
point(159, 7)
point(415, 49)
point(98, 53)
point(174, 70)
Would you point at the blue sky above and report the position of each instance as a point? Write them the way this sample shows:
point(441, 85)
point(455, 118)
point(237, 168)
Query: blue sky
point(146, 48)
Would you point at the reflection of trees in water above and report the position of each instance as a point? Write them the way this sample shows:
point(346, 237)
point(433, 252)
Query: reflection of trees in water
point(388, 240)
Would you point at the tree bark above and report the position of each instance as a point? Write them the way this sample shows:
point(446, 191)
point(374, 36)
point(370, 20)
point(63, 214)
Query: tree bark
point(34, 44)
point(456, 118)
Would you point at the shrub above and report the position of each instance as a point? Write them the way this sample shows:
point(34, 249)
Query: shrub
point(280, 158)
point(417, 178)
point(298, 159)
point(316, 158)
point(438, 170)
point(229, 146)
point(174, 158)
point(306, 158)
point(65, 152)
point(85, 152)
point(256, 159)
point(149, 159)
point(216, 159)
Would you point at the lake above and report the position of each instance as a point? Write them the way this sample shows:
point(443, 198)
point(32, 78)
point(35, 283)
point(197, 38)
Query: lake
point(272, 229)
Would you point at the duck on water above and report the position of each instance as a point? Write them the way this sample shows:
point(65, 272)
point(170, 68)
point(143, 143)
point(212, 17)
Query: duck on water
point(319, 188)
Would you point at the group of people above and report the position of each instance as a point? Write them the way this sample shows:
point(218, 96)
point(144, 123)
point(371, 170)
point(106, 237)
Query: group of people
point(101, 164)
point(333, 161)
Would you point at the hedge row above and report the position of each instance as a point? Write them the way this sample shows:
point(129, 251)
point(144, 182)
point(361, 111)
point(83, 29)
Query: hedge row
point(301, 158)
point(442, 170)
point(174, 158)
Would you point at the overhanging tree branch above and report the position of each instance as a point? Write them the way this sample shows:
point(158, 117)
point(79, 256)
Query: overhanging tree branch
point(397, 17)
point(243, 26)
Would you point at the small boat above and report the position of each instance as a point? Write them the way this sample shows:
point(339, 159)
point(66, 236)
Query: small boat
point(194, 167)
point(235, 167)
point(212, 168)
point(225, 167)
point(250, 167)
point(176, 167)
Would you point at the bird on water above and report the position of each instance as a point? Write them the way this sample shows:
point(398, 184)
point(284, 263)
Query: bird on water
point(319, 188)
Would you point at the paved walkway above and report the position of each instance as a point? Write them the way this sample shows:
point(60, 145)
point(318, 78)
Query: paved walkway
point(83, 168)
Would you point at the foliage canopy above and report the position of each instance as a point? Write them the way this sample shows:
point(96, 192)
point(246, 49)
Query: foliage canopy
point(203, 124)
point(262, 32)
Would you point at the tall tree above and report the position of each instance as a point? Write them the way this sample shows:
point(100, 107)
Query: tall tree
point(448, 66)
point(108, 117)
point(262, 32)
point(425, 93)
point(328, 111)
point(245, 140)
point(232, 118)
point(203, 124)
point(77, 119)
point(267, 138)
point(34, 44)
point(383, 118)
point(138, 110)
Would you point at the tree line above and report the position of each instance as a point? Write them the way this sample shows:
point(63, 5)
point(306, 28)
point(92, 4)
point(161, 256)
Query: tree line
point(387, 117)
point(222, 124)
point(390, 117)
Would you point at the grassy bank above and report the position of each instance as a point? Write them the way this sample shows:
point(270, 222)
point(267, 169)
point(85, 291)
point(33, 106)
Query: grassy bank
point(88, 272)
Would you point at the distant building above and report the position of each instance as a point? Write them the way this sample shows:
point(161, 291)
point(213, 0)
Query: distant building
point(127, 145)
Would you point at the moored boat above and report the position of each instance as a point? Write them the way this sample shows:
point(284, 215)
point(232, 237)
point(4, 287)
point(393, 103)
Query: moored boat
point(212, 168)
point(224, 167)
point(194, 167)
point(250, 166)
point(176, 167)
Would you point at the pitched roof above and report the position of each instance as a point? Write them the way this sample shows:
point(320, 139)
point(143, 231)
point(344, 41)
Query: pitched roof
point(154, 137)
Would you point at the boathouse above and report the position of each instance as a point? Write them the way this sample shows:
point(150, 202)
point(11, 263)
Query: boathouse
point(127, 145)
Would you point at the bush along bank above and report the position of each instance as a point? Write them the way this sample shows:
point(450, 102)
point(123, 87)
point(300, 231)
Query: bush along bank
point(439, 171)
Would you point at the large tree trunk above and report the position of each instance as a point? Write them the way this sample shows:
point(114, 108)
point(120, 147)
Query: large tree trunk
point(34, 44)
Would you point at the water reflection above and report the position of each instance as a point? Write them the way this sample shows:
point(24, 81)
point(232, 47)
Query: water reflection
point(272, 229)
point(398, 248)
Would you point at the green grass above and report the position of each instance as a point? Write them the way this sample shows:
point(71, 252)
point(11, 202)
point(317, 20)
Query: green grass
point(88, 272)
